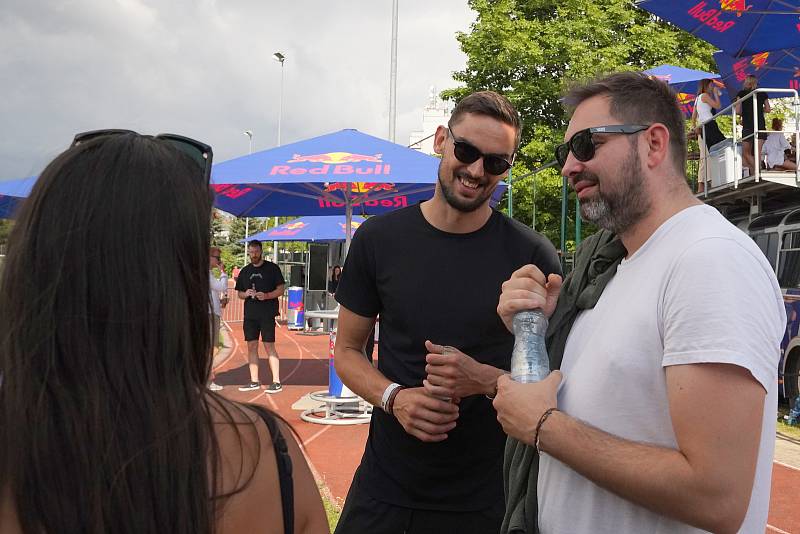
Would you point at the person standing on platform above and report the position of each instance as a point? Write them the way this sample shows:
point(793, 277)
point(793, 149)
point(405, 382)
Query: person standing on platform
point(433, 271)
point(216, 286)
point(260, 283)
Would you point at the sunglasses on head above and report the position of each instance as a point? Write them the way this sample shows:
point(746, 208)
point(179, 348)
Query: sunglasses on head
point(468, 153)
point(582, 146)
point(199, 152)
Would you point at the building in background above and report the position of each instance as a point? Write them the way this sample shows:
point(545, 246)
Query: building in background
point(435, 113)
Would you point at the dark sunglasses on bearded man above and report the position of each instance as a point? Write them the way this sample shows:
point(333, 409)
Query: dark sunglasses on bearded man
point(467, 153)
point(582, 146)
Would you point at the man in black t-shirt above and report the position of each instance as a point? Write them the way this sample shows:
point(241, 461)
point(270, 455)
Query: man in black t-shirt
point(260, 283)
point(433, 272)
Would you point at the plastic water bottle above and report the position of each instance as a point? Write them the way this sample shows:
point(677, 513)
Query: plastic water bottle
point(529, 361)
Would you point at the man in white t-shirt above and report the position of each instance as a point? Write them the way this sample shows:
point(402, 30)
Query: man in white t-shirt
point(664, 418)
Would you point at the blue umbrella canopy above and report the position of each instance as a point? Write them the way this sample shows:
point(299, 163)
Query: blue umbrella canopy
point(685, 81)
point(739, 28)
point(12, 193)
point(312, 228)
point(322, 175)
point(779, 69)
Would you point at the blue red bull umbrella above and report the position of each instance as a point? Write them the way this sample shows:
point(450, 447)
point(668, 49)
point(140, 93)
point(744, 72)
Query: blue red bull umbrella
point(739, 27)
point(312, 228)
point(779, 69)
point(12, 193)
point(319, 176)
point(345, 172)
point(685, 81)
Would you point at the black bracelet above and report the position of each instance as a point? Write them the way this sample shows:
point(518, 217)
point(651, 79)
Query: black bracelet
point(542, 419)
point(390, 401)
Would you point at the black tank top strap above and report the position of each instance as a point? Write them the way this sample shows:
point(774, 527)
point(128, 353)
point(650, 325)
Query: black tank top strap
point(284, 467)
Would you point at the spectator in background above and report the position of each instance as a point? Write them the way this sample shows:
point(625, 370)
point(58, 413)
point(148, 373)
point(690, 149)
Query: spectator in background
point(260, 283)
point(235, 273)
point(745, 109)
point(775, 148)
point(107, 425)
point(333, 283)
point(216, 286)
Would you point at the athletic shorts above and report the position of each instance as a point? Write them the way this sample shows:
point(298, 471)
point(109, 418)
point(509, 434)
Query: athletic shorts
point(265, 327)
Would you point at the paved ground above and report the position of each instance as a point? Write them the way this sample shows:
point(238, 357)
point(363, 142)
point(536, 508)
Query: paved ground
point(334, 452)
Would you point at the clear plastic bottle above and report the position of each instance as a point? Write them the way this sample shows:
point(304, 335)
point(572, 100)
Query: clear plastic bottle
point(529, 361)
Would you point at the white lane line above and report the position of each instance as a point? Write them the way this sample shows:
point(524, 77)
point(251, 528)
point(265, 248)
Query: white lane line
point(235, 349)
point(770, 528)
point(314, 436)
point(787, 466)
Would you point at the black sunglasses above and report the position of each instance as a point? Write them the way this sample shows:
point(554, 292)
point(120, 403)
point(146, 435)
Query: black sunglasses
point(468, 153)
point(199, 152)
point(582, 143)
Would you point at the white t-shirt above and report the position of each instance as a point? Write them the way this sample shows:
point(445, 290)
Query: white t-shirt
point(774, 147)
point(699, 290)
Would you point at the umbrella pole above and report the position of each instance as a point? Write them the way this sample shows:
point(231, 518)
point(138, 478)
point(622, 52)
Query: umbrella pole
point(348, 214)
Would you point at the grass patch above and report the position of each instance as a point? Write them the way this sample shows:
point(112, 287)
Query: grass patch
point(332, 509)
point(792, 431)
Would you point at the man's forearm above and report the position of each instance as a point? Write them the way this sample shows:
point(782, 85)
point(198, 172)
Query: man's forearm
point(360, 375)
point(657, 478)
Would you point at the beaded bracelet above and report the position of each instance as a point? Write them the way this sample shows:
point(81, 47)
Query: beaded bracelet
point(542, 419)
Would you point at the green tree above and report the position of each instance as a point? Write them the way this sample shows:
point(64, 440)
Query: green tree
point(531, 50)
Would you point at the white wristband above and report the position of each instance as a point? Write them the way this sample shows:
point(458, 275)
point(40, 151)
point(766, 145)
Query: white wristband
point(388, 393)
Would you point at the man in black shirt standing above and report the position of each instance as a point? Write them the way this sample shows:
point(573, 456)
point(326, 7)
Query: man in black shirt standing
point(433, 272)
point(260, 283)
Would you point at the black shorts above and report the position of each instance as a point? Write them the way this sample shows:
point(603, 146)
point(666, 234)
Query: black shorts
point(265, 326)
point(363, 514)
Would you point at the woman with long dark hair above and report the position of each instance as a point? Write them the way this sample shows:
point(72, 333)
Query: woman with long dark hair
point(105, 421)
point(751, 122)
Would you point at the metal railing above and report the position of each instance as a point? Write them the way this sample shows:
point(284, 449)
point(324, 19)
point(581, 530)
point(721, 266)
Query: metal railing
point(756, 172)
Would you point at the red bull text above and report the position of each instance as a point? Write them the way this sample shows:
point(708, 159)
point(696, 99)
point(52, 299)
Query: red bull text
point(710, 17)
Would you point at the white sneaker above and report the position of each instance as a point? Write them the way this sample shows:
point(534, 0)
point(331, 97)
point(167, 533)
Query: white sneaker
point(213, 386)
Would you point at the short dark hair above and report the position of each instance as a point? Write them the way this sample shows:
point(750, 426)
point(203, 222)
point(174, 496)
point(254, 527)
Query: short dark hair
point(636, 98)
point(255, 243)
point(492, 105)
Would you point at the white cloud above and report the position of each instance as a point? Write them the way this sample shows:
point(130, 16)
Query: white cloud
point(203, 68)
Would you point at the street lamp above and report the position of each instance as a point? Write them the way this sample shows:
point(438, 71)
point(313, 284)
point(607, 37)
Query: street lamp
point(280, 58)
point(249, 133)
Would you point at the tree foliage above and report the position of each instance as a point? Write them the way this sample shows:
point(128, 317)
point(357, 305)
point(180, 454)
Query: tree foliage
point(531, 50)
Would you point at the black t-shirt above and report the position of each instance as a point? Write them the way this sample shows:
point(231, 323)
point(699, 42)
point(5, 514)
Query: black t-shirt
point(265, 279)
point(747, 111)
point(429, 284)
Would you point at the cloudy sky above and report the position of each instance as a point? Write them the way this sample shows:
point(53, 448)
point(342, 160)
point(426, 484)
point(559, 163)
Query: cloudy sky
point(204, 68)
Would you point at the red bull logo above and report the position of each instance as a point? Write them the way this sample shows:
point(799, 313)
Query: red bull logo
point(230, 191)
point(353, 225)
point(741, 69)
point(686, 102)
point(334, 163)
point(360, 187)
point(759, 60)
point(711, 17)
point(734, 5)
point(400, 201)
point(288, 229)
point(335, 158)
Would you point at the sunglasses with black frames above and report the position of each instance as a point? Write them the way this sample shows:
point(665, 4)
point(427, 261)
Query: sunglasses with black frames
point(467, 153)
point(199, 152)
point(582, 146)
